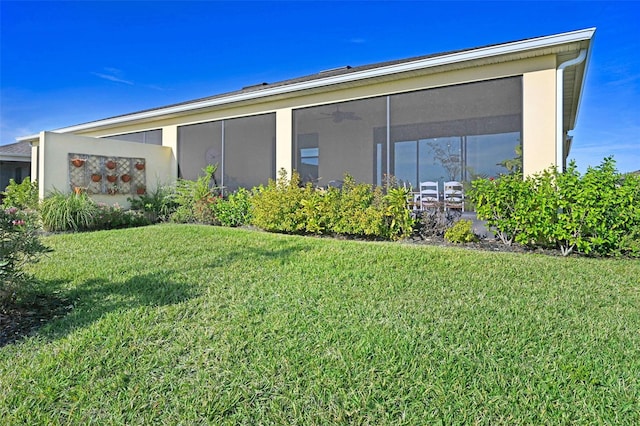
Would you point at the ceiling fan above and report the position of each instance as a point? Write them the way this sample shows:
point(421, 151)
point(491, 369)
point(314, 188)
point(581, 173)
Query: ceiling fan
point(339, 116)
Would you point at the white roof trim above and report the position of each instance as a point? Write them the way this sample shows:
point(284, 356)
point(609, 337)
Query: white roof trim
point(15, 157)
point(467, 55)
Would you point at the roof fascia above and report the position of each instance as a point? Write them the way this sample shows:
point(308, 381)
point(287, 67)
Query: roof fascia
point(468, 55)
point(15, 157)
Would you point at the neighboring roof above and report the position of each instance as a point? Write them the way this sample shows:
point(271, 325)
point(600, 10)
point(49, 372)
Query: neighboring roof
point(522, 48)
point(20, 151)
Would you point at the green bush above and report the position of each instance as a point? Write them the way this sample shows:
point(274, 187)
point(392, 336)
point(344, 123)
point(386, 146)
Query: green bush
point(354, 210)
point(278, 206)
point(68, 212)
point(351, 212)
point(399, 222)
point(498, 201)
point(22, 195)
point(157, 205)
point(115, 217)
point(194, 198)
point(598, 212)
point(461, 232)
point(235, 210)
point(78, 212)
point(19, 245)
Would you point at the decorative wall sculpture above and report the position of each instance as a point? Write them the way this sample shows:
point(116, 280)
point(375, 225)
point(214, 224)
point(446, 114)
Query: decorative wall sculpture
point(97, 174)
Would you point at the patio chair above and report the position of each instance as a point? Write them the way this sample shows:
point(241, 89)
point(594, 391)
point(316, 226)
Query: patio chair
point(413, 201)
point(453, 195)
point(429, 195)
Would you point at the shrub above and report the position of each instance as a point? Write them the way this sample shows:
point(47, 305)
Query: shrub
point(234, 210)
point(157, 205)
point(599, 211)
point(278, 206)
point(354, 210)
point(115, 217)
point(434, 222)
point(461, 232)
point(194, 198)
point(19, 245)
point(498, 201)
point(68, 212)
point(357, 211)
point(399, 223)
point(21, 195)
point(595, 213)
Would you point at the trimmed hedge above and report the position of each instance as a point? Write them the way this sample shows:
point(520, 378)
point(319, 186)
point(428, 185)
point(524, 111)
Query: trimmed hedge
point(356, 209)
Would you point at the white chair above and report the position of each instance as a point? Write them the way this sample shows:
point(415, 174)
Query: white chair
point(453, 195)
point(429, 195)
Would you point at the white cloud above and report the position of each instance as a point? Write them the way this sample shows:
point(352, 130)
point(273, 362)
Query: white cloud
point(113, 74)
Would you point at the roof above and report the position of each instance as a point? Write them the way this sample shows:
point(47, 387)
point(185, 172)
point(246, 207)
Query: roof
point(529, 47)
point(20, 151)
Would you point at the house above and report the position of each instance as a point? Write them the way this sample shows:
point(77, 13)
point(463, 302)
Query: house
point(15, 163)
point(449, 116)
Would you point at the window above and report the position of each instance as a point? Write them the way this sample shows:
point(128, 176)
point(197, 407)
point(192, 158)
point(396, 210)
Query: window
point(308, 157)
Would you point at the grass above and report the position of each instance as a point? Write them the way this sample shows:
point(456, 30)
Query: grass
point(179, 324)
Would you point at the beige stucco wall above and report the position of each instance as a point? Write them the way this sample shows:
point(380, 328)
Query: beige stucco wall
point(539, 120)
point(538, 106)
point(54, 149)
point(284, 139)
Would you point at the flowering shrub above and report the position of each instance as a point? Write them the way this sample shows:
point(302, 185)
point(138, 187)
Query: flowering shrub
point(19, 245)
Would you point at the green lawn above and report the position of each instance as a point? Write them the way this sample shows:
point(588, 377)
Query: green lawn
point(179, 324)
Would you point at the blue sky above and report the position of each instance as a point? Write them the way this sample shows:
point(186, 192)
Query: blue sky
point(65, 63)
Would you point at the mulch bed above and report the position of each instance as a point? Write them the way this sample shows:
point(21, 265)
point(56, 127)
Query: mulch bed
point(21, 319)
point(484, 244)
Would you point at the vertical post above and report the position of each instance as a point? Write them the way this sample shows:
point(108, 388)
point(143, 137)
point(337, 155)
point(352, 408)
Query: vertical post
point(388, 142)
point(222, 155)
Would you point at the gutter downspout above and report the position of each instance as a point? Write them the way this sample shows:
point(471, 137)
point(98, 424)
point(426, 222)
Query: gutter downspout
point(559, 106)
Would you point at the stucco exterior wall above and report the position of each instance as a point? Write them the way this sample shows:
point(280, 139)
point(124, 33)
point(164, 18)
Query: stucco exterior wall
point(54, 149)
point(539, 120)
point(284, 139)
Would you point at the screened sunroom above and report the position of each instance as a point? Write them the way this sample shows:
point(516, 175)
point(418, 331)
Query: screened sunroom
point(453, 133)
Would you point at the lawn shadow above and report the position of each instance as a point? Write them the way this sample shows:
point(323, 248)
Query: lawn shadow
point(90, 300)
point(37, 304)
point(250, 254)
